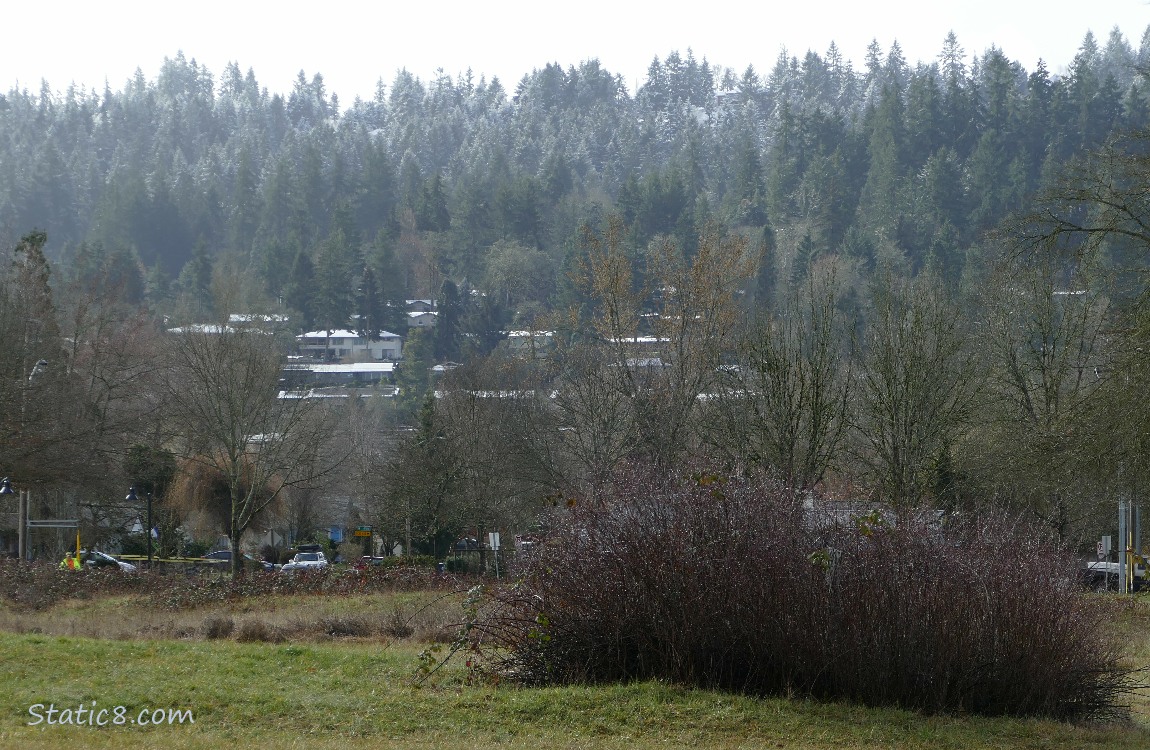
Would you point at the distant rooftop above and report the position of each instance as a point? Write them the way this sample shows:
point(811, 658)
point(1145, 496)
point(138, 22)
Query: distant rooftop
point(342, 333)
point(352, 368)
point(202, 328)
point(255, 318)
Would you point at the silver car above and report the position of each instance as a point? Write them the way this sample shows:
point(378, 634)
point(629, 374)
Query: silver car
point(305, 561)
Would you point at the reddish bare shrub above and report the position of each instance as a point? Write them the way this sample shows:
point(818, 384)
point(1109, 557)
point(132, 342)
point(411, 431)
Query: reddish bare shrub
point(977, 615)
point(733, 584)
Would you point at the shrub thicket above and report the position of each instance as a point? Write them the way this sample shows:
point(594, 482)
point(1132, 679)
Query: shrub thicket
point(736, 584)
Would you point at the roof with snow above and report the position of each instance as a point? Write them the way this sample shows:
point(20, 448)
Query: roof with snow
point(202, 328)
point(341, 333)
point(354, 367)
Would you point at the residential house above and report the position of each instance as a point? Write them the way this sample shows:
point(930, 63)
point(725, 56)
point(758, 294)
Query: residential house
point(421, 319)
point(345, 344)
point(420, 305)
point(529, 343)
point(236, 322)
point(298, 375)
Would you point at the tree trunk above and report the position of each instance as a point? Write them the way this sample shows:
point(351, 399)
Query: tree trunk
point(235, 531)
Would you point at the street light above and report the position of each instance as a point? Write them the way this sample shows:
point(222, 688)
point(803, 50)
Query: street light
point(37, 369)
point(131, 498)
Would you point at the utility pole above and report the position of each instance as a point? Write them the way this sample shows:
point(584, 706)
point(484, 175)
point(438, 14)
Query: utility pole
point(24, 497)
point(21, 526)
point(1129, 546)
point(1123, 546)
point(132, 498)
point(5, 491)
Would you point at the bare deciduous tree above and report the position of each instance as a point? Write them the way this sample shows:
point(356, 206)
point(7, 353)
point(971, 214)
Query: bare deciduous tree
point(1041, 335)
point(593, 420)
point(1072, 329)
point(225, 404)
point(663, 342)
point(784, 405)
point(917, 386)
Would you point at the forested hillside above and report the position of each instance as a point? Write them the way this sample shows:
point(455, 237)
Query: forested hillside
point(918, 282)
point(467, 180)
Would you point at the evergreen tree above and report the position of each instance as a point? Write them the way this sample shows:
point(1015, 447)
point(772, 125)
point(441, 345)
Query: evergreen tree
point(958, 121)
point(33, 291)
point(245, 214)
point(881, 196)
point(369, 307)
point(299, 294)
point(195, 282)
point(519, 211)
point(431, 212)
point(385, 269)
point(414, 374)
point(447, 322)
point(485, 325)
point(923, 117)
point(334, 300)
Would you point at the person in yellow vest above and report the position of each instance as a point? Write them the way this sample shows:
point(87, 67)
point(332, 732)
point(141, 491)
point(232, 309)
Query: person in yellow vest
point(71, 562)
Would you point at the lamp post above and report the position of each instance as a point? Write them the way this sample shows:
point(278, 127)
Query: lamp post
point(132, 498)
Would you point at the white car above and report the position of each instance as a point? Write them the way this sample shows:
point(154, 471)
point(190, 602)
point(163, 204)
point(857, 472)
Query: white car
point(305, 561)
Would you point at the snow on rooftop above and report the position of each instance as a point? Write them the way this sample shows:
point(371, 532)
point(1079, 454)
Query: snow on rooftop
point(353, 367)
point(342, 333)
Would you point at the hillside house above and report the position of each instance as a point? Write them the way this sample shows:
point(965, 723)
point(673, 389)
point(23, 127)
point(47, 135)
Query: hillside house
point(529, 343)
point(421, 319)
point(350, 375)
point(349, 345)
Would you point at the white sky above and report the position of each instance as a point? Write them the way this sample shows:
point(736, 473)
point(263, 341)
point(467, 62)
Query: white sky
point(355, 44)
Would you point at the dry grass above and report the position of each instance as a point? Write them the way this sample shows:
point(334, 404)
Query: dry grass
point(421, 617)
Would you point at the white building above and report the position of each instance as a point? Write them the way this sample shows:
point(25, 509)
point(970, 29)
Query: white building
point(344, 344)
point(353, 374)
point(416, 319)
point(420, 305)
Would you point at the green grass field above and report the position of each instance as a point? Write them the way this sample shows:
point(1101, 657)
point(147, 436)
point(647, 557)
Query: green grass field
point(315, 690)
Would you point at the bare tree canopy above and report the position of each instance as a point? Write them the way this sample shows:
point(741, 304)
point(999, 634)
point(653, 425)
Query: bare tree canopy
point(918, 382)
point(225, 403)
point(784, 406)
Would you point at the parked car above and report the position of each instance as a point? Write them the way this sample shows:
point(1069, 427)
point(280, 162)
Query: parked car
point(91, 559)
point(366, 560)
point(1105, 576)
point(220, 557)
point(305, 561)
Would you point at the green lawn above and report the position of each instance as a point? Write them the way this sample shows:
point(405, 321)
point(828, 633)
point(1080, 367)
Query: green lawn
point(339, 695)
